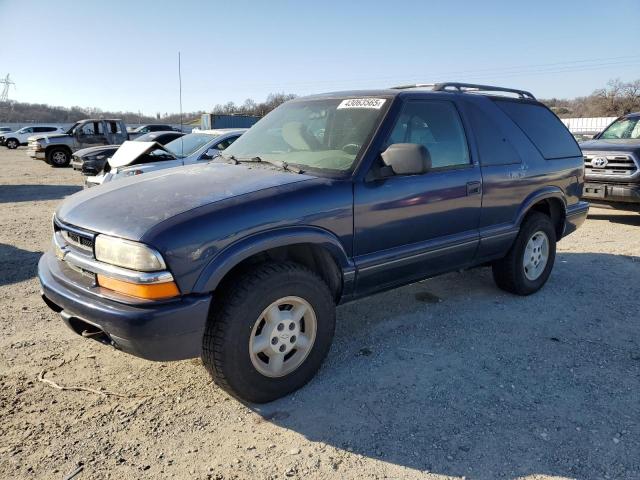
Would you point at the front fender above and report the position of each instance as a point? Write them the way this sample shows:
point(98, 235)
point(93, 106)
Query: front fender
point(246, 247)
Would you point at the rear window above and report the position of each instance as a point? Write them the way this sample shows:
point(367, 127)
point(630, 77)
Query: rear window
point(543, 128)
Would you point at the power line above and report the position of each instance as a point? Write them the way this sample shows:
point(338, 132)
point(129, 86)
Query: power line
point(506, 72)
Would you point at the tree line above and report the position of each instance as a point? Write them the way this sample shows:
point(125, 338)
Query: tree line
point(20, 112)
point(615, 99)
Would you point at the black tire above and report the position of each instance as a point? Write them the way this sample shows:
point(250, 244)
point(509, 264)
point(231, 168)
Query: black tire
point(509, 272)
point(238, 306)
point(12, 143)
point(58, 157)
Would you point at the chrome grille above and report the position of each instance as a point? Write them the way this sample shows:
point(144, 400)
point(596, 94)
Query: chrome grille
point(75, 240)
point(610, 164)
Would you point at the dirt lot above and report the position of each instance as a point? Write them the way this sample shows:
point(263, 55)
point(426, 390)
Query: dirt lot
point(447, 378)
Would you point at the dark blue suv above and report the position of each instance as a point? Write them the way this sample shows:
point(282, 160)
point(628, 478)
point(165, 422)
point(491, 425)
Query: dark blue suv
point(329, 198)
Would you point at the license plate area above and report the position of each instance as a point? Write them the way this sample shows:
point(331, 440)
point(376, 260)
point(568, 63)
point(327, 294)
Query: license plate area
point(592, 190)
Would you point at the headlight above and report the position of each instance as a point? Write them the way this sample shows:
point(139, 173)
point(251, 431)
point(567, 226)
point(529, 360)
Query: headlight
point(97, 157)
point(128, 254)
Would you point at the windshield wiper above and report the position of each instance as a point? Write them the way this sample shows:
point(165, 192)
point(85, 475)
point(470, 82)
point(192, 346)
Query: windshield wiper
point(229, 158)
point(283, 165)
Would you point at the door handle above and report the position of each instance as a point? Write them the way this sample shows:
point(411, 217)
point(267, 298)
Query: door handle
point(474, 188)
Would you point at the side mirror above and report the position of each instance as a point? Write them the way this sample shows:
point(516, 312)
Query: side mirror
point(407, 158)
point(211, 153)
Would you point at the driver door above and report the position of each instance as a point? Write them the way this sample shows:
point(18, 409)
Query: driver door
point(409, 227)
point(91, 134)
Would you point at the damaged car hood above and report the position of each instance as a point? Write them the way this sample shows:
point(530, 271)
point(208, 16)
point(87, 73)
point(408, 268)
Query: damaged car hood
point(130, 151)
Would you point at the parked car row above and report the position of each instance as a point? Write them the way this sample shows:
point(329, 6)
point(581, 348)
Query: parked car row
point(91, 160)
point(146, 155)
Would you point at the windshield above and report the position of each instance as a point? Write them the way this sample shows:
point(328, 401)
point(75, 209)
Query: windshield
point(625, 128)
point(325, 134)
point(70, 131)
point(185, 146)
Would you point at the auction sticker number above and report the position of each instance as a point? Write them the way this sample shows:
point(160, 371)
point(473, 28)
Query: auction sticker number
point(374, 103)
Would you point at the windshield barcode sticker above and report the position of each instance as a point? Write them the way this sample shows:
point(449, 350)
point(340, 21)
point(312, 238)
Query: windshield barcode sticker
point(375, 103)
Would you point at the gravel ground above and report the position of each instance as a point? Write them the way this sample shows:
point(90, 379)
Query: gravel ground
point(447, 378)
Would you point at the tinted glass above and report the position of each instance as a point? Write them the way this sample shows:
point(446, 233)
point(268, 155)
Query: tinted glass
point(437, 126)
point(493, 145)
point(543, 128)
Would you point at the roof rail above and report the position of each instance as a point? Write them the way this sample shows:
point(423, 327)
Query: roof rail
point(466, 87)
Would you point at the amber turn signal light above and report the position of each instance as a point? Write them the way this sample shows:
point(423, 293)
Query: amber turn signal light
point(152, 291)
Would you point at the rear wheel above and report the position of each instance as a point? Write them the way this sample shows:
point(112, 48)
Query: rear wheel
point(12, 143)
point(528, 264)
point(58, 157)
point(269, 331)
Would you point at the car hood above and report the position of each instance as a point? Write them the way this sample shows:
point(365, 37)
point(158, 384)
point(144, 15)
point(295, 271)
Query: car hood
point(620, 145)
point(46, 138)
point(131, 206)
point(130, 151)
point(94, 150)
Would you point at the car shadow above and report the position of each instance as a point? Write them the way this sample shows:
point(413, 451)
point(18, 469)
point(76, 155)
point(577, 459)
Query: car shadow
point(17, 265)
point(455, 377)
point(631, 218)
point(29, 193)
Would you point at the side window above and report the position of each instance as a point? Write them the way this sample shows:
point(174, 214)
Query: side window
point(88, 129)
point(39, 129)
point(225, 143)
point(543, 128)
point(493, 145)
point(27, 130)
point(436, 125)
point(114, 127)
point(50, 129)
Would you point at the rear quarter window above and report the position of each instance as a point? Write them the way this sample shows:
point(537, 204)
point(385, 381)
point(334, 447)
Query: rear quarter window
point(493, 145)
point(542, 127)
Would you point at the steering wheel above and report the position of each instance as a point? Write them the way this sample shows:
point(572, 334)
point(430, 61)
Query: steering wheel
point(351, 148)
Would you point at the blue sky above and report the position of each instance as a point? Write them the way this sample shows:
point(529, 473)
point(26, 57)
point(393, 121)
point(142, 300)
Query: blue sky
point(122, 55)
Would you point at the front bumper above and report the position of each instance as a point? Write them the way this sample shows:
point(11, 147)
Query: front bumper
point(37, 154)
point(87, 166)
point(161, 331)
point(611, 193)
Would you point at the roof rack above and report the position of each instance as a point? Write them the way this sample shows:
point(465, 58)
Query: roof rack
point(466, 87)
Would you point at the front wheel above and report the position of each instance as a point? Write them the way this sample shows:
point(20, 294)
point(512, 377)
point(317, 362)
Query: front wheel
point(528, 264)
point(12, 143)
point(58, 157)
point(269, 331)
